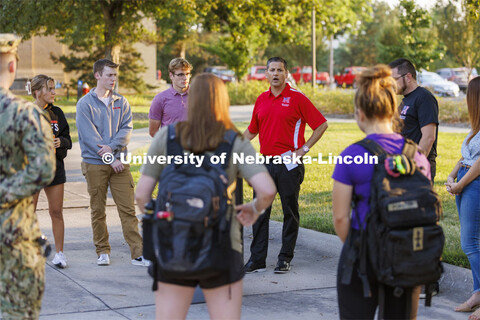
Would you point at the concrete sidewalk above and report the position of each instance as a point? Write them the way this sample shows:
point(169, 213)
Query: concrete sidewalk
point(123, 291)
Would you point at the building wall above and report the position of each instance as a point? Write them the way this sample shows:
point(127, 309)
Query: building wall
point(35, 58)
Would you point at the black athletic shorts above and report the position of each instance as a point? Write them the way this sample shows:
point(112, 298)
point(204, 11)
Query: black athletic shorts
point(236, 273)
point(60, 176)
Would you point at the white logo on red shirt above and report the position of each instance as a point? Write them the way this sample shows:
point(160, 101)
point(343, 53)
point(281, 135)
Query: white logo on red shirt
point(286, 102)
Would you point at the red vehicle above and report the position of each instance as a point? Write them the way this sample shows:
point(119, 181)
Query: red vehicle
point(347, 78)
point(305, 74)
point(257, 73)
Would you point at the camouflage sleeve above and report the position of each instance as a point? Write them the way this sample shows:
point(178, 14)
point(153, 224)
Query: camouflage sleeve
point(35, 137)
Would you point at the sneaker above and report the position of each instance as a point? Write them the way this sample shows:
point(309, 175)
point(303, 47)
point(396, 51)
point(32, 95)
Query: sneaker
point(435, 291)
point(252, 267)
point(282, 267)
point(141, 261)
point(103, 259)
point(60, 261)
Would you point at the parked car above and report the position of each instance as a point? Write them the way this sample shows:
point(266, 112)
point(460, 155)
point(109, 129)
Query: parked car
point(305, 74)
point(347, 77)
point(257, 73)
point(222, 72)
point(473, 72)
point(437, 84)
point(457, 75)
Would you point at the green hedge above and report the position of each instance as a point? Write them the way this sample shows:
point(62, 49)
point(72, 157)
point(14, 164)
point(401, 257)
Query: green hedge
point(246, 92)
point(339, 102)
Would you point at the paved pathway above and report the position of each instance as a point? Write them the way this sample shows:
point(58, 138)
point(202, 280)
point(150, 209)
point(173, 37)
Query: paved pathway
point(123, 291)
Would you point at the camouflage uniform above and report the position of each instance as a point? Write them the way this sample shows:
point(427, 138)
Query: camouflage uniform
point(27, 164)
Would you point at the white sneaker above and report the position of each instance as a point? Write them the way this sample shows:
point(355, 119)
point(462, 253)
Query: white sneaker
point(103, 259)
point(141, 261)
point(60, 261)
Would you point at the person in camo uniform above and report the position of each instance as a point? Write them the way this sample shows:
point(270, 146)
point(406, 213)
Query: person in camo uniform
point(27, 164)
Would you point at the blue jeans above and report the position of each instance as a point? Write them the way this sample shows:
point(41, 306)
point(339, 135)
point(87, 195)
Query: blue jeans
point(468, 205)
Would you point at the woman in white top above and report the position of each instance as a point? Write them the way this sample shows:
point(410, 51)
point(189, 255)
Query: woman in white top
point(467, 192)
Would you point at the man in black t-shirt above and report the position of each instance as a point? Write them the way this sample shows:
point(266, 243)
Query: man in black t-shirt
point(418, 110)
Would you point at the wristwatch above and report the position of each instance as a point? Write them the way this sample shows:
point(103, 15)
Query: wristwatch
point(305, 148)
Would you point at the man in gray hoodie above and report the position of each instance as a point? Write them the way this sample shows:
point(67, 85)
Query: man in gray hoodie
point(104, 123)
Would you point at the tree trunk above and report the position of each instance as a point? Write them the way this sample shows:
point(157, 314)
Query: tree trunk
point(183, 46)
point(111, 12)
point(113, 53)
point(332, 80)
point(314, 52)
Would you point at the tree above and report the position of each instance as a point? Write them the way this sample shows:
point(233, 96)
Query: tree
point(244, 28)
point(338, 17)
point(413, 38)
point(333, 17)
point(473, 8)
point(459, 31)
point(361, 48)
point(107, 26)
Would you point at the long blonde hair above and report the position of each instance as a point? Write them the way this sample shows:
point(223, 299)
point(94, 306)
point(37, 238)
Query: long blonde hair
point(473, 103)
point(376, 94)
point(208, 114)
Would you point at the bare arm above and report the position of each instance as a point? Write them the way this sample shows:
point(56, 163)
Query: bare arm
point(265, 191)
point(316, 135)
point(341, 205)
point(153, 126)
point(453, 175)
point(145, 187)
point(248, 135)
point(473, 173)
point(428, 137)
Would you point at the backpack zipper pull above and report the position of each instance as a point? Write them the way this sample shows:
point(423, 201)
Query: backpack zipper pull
point(167, 214)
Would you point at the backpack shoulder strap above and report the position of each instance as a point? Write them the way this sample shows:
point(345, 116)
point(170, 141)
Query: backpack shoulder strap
point(409, 148)
point(173, 145)
point(226, 146)
point(372, 147)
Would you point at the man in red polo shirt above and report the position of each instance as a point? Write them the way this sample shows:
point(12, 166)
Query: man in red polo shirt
point(279, 117)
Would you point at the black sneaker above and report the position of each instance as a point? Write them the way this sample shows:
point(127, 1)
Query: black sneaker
point(282, 267)
point(252, 267)
point(435, 291)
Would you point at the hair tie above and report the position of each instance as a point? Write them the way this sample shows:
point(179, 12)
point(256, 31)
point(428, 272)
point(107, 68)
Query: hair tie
point(28, 87)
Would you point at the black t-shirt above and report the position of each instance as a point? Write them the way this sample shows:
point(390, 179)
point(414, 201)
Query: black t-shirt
point(418, 109)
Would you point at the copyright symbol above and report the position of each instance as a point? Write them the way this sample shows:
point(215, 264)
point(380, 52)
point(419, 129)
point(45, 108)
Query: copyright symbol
point(108, 158)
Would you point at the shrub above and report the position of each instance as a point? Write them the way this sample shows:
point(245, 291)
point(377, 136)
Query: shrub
point(340, 102)
point(245, 92)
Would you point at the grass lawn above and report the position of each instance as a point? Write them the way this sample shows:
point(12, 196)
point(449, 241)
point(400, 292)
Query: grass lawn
point(316, 197)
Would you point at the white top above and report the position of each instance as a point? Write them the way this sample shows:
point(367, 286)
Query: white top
point(471, 151)
point(105, 100)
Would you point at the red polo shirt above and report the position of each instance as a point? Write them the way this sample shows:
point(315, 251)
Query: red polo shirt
point(280, 121)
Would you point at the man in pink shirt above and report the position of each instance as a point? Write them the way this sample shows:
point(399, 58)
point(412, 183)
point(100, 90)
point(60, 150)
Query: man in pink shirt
point(170, 105)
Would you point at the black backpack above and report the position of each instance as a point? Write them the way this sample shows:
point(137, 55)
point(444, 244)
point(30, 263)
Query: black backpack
point(400, 235)
point(187, 231)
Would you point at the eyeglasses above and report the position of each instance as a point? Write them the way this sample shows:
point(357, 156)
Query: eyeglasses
point(183, 75)
point(403, 75)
